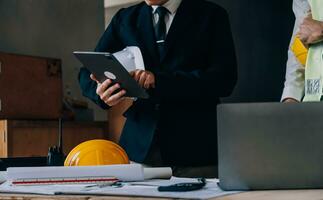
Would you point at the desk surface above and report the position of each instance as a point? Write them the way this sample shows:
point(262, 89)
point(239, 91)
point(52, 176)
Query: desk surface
point(256, 195)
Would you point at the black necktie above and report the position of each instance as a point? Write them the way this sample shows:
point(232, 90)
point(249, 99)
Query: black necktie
point(160, 29)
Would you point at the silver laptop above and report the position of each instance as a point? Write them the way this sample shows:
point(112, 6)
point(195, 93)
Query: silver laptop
point(270, 146)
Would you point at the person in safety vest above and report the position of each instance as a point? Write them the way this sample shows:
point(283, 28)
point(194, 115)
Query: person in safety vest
point(303, 71)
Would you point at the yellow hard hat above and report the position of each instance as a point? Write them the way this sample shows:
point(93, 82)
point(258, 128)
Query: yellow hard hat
point(300, 51)
point(96, 152)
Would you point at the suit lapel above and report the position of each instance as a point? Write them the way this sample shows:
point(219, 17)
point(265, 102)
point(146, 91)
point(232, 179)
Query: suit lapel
point(181, 23)
point(146, 31)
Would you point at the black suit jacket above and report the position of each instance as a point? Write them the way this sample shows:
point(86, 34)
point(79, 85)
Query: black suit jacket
point(198, 68)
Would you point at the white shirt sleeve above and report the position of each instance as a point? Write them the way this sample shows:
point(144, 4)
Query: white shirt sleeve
point(295, 72)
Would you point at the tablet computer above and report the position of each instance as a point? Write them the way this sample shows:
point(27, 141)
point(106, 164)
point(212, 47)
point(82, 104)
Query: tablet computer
point(106, 66)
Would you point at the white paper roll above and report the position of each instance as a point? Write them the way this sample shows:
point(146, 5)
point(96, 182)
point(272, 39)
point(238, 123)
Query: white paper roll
point(158, 173)
point(132, 172)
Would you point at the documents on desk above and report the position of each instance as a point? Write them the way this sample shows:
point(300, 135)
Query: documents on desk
point(136, 189)
point(135, 181)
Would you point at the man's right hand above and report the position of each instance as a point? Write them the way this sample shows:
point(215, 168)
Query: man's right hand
point(106, 92)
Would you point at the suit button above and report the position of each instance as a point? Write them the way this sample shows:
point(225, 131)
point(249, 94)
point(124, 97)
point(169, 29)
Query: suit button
point(157, 106)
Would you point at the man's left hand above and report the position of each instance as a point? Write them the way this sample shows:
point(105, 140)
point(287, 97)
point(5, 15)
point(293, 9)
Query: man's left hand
point(145, 79)
point(311, 31)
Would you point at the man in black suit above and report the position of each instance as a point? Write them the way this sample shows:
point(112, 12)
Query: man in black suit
point(190, 63)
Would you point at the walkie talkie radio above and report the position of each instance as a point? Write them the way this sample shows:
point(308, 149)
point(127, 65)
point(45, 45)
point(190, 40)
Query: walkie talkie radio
point(56, 156)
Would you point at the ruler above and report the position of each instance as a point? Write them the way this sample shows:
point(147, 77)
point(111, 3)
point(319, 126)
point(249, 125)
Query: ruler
point(71, 180)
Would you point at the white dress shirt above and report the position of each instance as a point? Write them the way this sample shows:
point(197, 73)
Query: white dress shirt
point(172, 6)
point(295, 72)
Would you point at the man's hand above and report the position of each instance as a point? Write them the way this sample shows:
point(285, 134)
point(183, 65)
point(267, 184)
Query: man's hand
point(146, 79)
point(311, 31)
point(106, 92)
point(290, 100)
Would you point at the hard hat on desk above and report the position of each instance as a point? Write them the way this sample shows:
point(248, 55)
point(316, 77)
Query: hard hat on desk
point(96, 152)
point(300, 51)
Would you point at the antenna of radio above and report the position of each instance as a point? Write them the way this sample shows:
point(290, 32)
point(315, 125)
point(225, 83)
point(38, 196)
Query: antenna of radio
point(60, 134)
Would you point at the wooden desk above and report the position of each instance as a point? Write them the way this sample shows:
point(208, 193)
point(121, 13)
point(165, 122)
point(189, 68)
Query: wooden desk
point(276, 195)
point(257, 195)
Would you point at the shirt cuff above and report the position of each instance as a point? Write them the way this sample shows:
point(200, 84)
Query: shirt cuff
point(293, 92)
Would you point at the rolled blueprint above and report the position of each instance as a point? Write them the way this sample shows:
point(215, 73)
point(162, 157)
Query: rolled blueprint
point(158, 173)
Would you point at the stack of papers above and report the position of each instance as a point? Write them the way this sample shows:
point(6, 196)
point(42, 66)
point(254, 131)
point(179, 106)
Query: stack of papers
point(138, 189)
point(134, 180)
